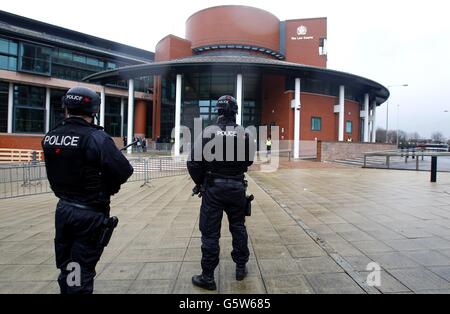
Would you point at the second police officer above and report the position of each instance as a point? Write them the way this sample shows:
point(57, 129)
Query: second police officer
point(84, 168)
point(223, 188)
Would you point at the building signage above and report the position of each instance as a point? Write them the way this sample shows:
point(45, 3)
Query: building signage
point(302, 34)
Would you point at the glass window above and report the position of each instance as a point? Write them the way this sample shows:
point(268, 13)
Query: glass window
point(65, 54)
point(29, 121)
point(8, 47)
point(348, 127)
point(143, 84)
point(56, 110)
point(4, 45)
point(13, 48)
point(79, 58)
point(8, 55)
point(113, 119)
point(35, 59)
point(251, 111)
point(12, 65)
point(92, 61)
point(4, 62)
point(125, 117)
point(4, 91)
point(167, 107)
point(29, 109)
point(72, 65)
point(111, 66)
point(316, 124)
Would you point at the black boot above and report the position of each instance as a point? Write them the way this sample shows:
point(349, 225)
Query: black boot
point(204, 282)
point(241, 272)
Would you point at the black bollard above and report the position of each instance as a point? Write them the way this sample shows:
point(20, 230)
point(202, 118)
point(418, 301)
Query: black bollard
point(433, 169)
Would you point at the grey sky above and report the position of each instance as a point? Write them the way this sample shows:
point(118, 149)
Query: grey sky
point(390, 41)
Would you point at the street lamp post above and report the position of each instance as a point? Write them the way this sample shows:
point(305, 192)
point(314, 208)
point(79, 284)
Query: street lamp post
point(398, 123)
point(387, 110)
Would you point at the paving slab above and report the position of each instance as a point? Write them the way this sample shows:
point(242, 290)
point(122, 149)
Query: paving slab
point(110, 286)
point(420, 279)
point(296, 284)
point(119, 271)
point(306, 225)
point(339, 283)
point(441, 271)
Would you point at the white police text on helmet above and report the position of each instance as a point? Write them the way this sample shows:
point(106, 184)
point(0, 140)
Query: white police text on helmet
point(57, 140)
point(74, 97)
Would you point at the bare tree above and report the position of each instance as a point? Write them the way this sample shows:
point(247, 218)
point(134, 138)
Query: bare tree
point(403, 137)
point(438, 137)
point(381, 135)
point(414, 137)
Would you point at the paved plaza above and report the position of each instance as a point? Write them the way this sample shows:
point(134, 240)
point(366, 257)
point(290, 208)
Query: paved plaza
point(312, 231)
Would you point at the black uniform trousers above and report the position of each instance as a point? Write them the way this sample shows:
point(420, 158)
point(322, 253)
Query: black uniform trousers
point(223, 195)
point(76, 241)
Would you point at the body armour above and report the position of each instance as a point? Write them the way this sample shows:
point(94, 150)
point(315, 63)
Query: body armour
point(83, 165)
point(231, 148)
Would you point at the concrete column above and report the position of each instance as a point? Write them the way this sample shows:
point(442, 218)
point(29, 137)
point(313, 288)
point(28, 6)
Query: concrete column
point(47, 109)
point(102, 107)
point(374, 122)
point(130, 114)
point(10, 107)
point(178, 114)
point(239, 99)
point(366, 119)
point(297, 119)
point(341, 113)
point(122, 112)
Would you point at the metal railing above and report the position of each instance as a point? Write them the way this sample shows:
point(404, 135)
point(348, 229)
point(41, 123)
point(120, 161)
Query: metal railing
point(416, 155)
point(146, 169)
point(31, 178)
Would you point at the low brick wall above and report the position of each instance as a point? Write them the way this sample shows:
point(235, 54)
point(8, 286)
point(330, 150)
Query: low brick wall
point(330, 151)
point(307, 148)
point(21, 141)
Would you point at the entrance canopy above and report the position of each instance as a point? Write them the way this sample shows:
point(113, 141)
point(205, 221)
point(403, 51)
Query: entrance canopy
point(243, 64)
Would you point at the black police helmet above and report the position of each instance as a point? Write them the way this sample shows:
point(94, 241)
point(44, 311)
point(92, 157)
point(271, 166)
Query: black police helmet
point(82, 100)
point(227, 106)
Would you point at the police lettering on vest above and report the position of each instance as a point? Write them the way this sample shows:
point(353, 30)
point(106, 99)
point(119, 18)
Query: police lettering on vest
point(62, 140)
point(227, 133)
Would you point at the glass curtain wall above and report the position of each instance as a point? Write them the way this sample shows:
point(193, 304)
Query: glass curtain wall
point(200, 94)
point(251, 100)
point(201, 91)
point(167, 107)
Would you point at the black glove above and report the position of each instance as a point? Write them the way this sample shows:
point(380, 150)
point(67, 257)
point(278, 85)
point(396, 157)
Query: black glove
point(197, 190)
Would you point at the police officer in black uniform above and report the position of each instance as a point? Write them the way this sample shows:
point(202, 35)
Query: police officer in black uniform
point(84, 169)
point(222, 182)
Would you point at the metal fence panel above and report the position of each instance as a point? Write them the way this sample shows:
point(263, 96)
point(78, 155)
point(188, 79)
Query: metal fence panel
point(31, 178)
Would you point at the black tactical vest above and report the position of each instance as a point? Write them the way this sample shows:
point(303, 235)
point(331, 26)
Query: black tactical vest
point(233, 163)
point(71, 176)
